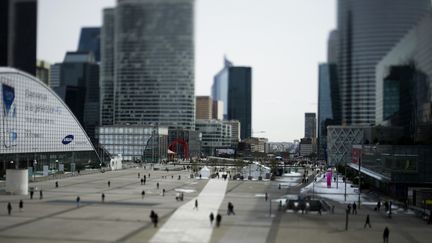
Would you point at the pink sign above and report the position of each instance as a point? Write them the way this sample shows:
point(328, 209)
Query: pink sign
point(329, 176)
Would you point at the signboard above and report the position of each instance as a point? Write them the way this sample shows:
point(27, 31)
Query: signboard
point(61, 167)
point(34, 119)
point(356, 154)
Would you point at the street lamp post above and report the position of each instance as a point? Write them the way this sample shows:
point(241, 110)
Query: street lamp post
point(34, 170)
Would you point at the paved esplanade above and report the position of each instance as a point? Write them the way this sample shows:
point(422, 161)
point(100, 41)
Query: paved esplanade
point(192, 225)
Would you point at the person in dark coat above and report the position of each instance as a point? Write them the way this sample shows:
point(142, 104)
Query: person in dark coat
point(386, 234)
point(354, 207)
point(142, 194)
point(9, 208)
point(31, 193)
point(218, 220)
point(266, 196)
point(56, 184)
point(103, 197)
point(40, 195)
point(378, 205)
point(211, 218)
point(78, 199)
point(196, 204)
point(21, 205)
point(109, 183)
point(157, 185)
point(367, 222)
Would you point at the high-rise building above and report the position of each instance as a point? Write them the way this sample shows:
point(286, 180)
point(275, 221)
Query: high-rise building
point(153, 70)
point(404, 85)
point(217, 110)
point(18, 22)
point(233, 86)
point(107, 68)
point(90, 41)
point(79, 88)
point(328, 104)
point(310, 125)
point(367, 30)
point(204, 106)
point(332, 47)
point(235, 130)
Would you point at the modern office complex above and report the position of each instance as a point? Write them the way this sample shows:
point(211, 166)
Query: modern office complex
point(37, 128)
point(404, 85)
point(204, 107)
point(328, 104)
point(233, 86)
point(153, 63)
point(18, 22)
point(79, 88)
point(217, 109)
point(107, 68)
point(235, 131)
point(215, 135)
point(90, 41)
point(135, 143)
point(368, 29)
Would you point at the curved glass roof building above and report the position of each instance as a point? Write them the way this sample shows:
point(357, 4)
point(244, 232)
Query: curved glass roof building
point(35, 124)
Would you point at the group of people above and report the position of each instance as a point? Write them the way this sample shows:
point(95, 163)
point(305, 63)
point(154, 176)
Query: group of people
point(218, 219)
point(354, 208)
point(20, 205)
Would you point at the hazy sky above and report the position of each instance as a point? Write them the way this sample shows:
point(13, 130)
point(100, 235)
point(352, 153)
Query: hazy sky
point(282, 40)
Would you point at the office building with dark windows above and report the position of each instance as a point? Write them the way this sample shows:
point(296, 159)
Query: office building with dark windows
point(328, 104)
point(310, 125)
point(367, 30)
point(404, 85)
point(37, 129)
point(233, 86)
point(18, 31)
point(90, 41)
point(78, 87)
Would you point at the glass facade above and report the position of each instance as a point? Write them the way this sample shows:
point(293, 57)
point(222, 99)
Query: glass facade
point(36, 123)
point(368, 29)
point(404, 85)
point(90, 41)
point(135, 143)
point(154, 63)
point(215, 134)
point(328, 104)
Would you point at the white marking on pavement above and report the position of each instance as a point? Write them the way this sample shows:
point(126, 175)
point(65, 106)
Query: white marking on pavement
point(190, 225)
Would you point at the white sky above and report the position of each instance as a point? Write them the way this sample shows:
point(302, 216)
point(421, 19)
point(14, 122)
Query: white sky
point(282, 40)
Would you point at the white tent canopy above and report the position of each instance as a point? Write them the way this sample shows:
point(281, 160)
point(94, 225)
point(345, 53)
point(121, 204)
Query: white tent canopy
point(205, 172)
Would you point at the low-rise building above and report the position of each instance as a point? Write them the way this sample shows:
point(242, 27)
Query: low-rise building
point(215, 134)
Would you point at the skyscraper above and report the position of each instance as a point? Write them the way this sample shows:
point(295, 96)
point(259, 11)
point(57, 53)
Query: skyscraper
point(18, 21)
point(233, 86)
point(153, 63)
point(79, 88)
point(328, 104)
point(367, 30)
point(90, 41)
point(310, 125)
point(204, 105)
point(106, 82)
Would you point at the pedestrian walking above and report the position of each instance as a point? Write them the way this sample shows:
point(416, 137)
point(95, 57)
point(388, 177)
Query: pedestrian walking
point(21, 205)
point(354, 207)
point(386, 235)
point(218, 220)
point(31, 193)
point(9, 208)
point(142, 194)
point(142, 181)
point(211, 218)
point(279, 186)
point(378, 205)
point(157, 185)
point(109, 183)
point(349, 208)
point(149, 175)
point(390, 209)
point(163, 192)
point(103, 197)
point(196, 204)
point(78, 199)
point(367, 222)
point(266, 196)
point(40, 195)
point(56, 184)
point(154, 218)
point(230, 208)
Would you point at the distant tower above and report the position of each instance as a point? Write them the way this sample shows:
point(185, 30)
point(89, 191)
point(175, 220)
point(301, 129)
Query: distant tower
point(310, 125)
point(90, 41)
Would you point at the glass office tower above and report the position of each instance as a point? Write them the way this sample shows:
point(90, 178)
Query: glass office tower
point(368, 29)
